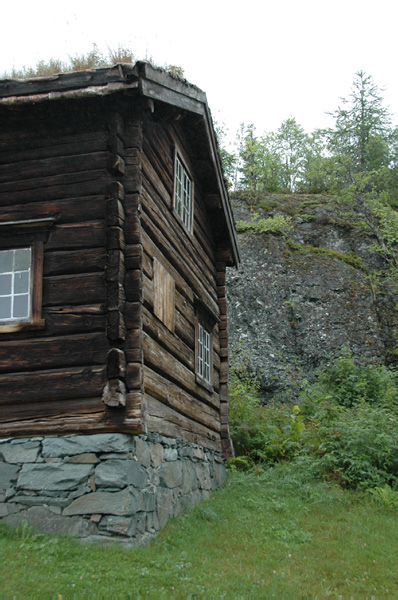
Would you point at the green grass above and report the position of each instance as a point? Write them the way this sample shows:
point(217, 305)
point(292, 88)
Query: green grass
point(274, 534)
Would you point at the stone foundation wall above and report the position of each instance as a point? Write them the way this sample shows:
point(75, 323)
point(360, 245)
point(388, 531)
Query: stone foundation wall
point(103, 487)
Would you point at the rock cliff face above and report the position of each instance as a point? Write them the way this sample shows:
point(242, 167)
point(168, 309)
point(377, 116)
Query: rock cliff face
point(299, 298)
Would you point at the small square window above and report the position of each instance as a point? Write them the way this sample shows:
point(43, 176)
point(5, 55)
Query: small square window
point(21, 273)
point(183, 194)
point(15, 275)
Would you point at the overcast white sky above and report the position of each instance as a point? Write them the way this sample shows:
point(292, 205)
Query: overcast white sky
point(258, 62)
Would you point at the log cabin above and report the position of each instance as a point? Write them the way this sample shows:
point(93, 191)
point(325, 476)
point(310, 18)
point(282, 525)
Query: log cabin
point(115, 234)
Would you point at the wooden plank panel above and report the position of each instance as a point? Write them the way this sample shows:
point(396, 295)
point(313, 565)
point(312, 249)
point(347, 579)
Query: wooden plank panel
point(163, 295)
point(93, 185)
point(187, 268)
point(164, 363)
point(54, 352)
point(184, 323)
point(163, 336)
point(70, 210)
point(164, 420)
point(44, 386)
point(13, 150)
point(51, 166)
point(152, 251)
point(51, 181)
point(85, 288)
point(67, 320)
point(163, 390)
point(77, 235)
point(68, 262)
point(168, 225)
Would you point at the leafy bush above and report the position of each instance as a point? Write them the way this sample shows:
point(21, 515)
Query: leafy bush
point(359, 449)
point(262, 433)
point(350, 384)
point(345, 429)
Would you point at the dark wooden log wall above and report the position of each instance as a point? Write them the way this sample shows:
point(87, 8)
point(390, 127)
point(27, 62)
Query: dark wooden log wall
point(176, 404)
point(104, 361)
point(62, 162)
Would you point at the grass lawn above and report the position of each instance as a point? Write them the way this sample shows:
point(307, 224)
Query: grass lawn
point(277, 534)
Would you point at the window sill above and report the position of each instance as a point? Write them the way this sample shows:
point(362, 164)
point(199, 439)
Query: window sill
point(21, 326)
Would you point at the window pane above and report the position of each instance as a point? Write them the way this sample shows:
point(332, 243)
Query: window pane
point(21, 282)
point(22, 259)
point(5, 284)
point(5, 307)
point(21, 307)
point(6, 261)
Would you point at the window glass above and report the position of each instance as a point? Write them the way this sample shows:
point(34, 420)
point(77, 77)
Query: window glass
point(204, 357)
point(6, 260)
point(183, 194)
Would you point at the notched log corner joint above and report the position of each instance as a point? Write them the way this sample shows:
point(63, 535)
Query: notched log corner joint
point(114, 394)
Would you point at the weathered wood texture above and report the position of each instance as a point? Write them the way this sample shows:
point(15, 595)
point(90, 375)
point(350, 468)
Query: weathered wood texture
point(123, 280)
point(179, 267)
point(62, 162)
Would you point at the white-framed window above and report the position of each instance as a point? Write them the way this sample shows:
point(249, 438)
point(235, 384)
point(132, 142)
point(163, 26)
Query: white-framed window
point(204, 350)
point(183, 198)
point(21, 273)
point(15, 285)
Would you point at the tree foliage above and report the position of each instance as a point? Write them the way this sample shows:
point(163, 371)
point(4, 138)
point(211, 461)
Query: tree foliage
point(360, 151)
point(360, 138)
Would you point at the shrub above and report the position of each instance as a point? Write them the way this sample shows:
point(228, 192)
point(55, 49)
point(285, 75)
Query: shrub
point(360, 447)
point(262, 433)
point(345, 429)
point(350, 384)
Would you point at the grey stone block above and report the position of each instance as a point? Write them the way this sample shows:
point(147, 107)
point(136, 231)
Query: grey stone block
point(140, 523)
point(118, 525)
point(220, 474)
point(157, 453)
point(8, 474)
point(14, 508)
point(80, 444)
point(3, 510)
point(170, 454)
point(10, 492)
point(143, 452)
point(152, 522)
point(41, 500)
point(136, 474)
point(53, 476)
point(190, 480)
point(105, 503)
point(170, 474)
point(111, 473)
point(148, 501)
point(165, 505)
point(203, 473)
point(86, 458)
point(20, 453)
point(43, 519)
point(119, 473)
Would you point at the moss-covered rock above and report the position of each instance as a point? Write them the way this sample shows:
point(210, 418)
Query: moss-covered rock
point(298, 298)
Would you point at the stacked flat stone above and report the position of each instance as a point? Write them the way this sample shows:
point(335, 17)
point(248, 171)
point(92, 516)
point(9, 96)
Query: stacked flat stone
point(103, 487)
